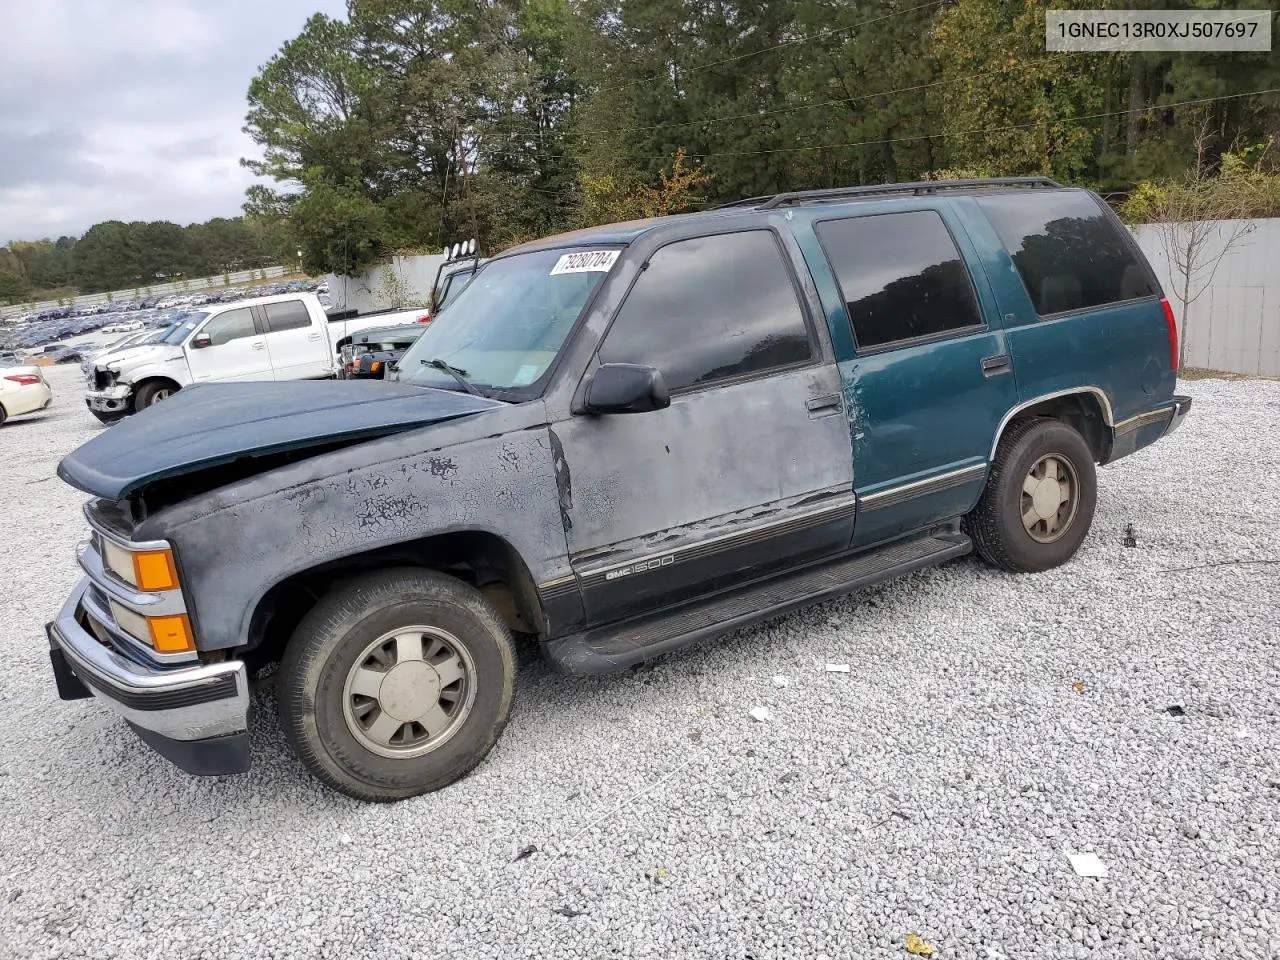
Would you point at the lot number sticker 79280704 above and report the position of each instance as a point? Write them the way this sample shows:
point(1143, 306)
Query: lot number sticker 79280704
point(586, 261)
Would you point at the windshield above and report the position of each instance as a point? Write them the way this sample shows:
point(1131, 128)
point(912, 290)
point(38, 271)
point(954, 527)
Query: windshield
point(182, 326)
point(505, 327)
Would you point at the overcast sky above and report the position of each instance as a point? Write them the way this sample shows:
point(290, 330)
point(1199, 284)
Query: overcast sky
point(130, 109)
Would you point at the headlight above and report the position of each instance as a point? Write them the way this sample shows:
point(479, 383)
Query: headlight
point(152, 571)
point(148, 570)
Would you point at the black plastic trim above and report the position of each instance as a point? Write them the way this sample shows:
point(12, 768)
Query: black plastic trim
point(70, 687)
point(214, 757)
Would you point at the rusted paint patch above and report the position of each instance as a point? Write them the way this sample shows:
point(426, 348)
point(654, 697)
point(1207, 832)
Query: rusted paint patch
point(564, 481)
point(445, 467)
point(238, 540)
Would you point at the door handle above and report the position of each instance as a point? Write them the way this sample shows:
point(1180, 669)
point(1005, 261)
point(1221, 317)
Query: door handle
point(995, 366)
point(313, 336)
point(823, 406)
point(259, 345)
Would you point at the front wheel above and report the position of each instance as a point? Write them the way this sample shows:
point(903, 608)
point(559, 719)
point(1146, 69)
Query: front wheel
point(1039, 499)
point(397, 683)
point(149, 394)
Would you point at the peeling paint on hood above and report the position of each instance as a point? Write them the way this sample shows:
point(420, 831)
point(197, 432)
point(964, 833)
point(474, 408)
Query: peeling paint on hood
point(211, 424)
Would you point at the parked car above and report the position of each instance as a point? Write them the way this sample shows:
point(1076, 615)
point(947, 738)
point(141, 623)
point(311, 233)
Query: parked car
point(23, 390)
point(618, 441)
point(285, 337)
point(370, 353)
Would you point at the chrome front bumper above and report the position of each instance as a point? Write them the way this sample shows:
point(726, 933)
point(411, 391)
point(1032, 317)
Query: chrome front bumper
point(115, 399)
point(195, 715)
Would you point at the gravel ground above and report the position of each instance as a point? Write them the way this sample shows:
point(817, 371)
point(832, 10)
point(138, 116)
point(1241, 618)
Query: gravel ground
point(990, 725)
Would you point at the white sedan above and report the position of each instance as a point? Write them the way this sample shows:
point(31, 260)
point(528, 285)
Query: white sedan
point(22, 390)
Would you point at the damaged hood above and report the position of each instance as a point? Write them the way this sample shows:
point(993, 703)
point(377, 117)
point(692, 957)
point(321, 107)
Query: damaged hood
point(136, 354)
point(211, 424)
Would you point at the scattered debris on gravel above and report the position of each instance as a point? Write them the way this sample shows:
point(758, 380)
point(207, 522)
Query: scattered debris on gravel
point(938, 787)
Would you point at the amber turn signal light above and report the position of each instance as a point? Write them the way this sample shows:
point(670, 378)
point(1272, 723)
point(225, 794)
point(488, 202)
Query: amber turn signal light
point(171, 634)
point(155, 570)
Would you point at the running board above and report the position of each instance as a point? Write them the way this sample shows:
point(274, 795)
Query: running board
point(625, 644)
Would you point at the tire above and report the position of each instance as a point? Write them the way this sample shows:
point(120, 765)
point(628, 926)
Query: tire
point(324, 715)
point(3, 416)
point(149, 394)
point(997, 527)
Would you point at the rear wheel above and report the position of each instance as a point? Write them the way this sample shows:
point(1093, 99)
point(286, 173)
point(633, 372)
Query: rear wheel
point(3, 416)
point(1039, 500)
point(149, 394)
point(396, 684)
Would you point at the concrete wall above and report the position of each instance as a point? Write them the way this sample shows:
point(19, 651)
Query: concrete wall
point(240, 278)
point(1235, 324)
point(377, 289)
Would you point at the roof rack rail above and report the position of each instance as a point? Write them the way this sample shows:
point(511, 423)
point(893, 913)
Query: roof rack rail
point(744, 202)
point(918, 188)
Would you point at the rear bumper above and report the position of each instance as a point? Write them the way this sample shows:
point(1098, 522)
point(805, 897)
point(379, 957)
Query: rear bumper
point(29, 400)
point(1181, 407)
point(1146, 428)
point(195, 716)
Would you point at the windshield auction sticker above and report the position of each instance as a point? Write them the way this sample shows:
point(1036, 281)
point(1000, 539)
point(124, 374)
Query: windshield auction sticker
point(587, 261)
point(1077, 31)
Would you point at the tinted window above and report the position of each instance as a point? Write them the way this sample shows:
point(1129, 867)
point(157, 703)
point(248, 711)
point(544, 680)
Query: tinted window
point(1069, 253)
point(231, 325)
point(901, 276)
point(288, 315)
point(711, 308)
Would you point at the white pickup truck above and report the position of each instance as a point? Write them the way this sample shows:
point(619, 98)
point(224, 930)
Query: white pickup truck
point(286, 337)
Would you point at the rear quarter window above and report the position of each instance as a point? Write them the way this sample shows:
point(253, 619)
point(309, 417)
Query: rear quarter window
point(1070, 253)
point(901, 277)
point(287, 315)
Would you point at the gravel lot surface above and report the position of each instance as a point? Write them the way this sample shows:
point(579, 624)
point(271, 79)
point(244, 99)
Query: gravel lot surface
point(990, 726)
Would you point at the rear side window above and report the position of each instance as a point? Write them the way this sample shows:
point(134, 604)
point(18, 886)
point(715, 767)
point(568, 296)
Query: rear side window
point(709, 309)
point(232, 325)
point(1070, 254)
point(287, 315)
point(901, 276)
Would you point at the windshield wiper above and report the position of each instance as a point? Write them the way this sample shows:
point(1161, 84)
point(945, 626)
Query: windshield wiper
point(459, 375)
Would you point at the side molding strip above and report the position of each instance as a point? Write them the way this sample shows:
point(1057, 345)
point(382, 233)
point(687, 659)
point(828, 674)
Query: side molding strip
point(1142, 420)
point(837, 508)
point(921, 488)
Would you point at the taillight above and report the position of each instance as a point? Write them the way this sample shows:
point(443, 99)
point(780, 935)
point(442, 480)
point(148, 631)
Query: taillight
point(26, 379)
point(425, 318)
point(1172, 324)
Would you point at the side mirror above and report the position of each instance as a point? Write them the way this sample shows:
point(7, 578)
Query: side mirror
point(201, 340)
point(627, 388)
